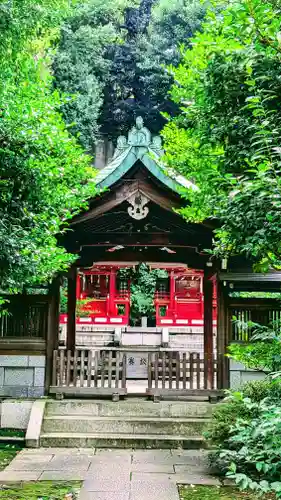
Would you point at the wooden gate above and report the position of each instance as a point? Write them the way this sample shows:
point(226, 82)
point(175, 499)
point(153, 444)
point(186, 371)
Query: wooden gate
point(86, 372)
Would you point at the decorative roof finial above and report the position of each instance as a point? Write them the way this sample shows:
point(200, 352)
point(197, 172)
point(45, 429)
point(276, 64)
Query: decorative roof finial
point(139, 136)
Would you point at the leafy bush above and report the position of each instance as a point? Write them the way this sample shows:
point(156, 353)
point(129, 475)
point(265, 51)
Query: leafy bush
point(258, 390)
point(263, 352)
point(253, 455)
point(224, 417)
point(245, 433)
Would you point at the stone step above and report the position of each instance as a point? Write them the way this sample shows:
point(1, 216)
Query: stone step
point(130, 408)
point(112, 440)
point(125, 425)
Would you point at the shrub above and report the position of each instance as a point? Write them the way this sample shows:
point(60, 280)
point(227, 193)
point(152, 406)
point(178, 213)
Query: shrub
point(238, 407)
point(253, 454)
point(257, 390)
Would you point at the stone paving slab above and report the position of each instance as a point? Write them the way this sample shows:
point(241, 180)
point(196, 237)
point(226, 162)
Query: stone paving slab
point(160, 489)
point(150, 456)
point(12, 476)
point(66, 475)
point(114, 484)
point(152, 467)
point(103, 495)
point(114, 474)
point(198, 479)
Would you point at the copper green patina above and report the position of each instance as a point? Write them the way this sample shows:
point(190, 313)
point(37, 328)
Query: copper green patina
point(140, 146)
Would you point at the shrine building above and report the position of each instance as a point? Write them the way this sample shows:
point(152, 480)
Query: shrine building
point(94, 347)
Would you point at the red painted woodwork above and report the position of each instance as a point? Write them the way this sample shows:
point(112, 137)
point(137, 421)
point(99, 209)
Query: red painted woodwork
point(179, 300)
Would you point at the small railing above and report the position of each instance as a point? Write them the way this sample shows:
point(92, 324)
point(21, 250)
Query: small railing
point(170, 371)
point(247, 311)
point(110, 371)
point(26, 317)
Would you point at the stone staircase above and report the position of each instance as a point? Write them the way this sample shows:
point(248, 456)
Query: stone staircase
point(133, 423)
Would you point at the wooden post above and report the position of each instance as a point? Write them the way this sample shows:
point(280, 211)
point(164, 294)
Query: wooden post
point(222, 337)
point(172, 292)
point(208, 331)
point(71, 308)
point(52, 339)
point(112, 291)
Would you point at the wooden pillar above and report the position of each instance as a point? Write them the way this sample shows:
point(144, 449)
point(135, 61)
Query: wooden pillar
point(172, 292)
point(52, 339)
point(71, 308)
point(208, 331)
point(112, 291)
point(222, 337)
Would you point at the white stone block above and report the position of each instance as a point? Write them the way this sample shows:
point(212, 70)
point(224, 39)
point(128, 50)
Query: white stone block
point(19, 377)
point(13, 360)
point(235, 380)
point(39, 377)
point(35, 424)
point(35, 392)
point(251, 375)
point(14, 392)
point(154, 339)
point(235, 365)
point(15, 414)
point(131, 339)
point(37, 361)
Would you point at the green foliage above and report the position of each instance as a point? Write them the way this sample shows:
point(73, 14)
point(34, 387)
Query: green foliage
point(263, 352)
point(253, 456)
point(228, 134)
point(196, 492)
point(44, 173)
point(142, 289)
point(46, 490)
point(244, 432)
point(111, 61)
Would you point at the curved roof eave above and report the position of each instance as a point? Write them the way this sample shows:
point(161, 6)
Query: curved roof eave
point(120, 165)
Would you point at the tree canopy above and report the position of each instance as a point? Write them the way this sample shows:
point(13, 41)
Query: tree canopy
point(111, 60)
point(227, 135)
point(45, 176)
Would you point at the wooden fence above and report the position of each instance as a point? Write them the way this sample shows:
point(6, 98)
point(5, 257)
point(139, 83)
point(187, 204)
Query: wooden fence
point(26, 316)
point(104, 372)
point(243, 311)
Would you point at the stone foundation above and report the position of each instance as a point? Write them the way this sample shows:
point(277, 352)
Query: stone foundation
point(22, 375)
point(239, 374)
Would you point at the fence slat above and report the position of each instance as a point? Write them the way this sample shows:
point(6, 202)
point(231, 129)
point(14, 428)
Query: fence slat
point(68, 365)
point(156, 367)
point(198, 370)
point(170, 370)
point(178, 370)
point(102, 368)
point(55, 368)
point(205, 360)
point(82, 363)
point(109, 368)
point(163, 369)
point(89, 368)
point(75, 368)
point(191, 370)
point(184, 369)
point(61, 370)
point(117, 373)
point(96, 374)
point(149, 371)
point(124, 371)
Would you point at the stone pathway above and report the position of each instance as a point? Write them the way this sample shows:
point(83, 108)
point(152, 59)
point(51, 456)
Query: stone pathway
point(113, 474)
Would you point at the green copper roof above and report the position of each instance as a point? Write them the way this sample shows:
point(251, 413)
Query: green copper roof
point(140, 145)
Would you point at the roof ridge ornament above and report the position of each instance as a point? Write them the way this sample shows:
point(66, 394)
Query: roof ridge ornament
point(138, 136)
